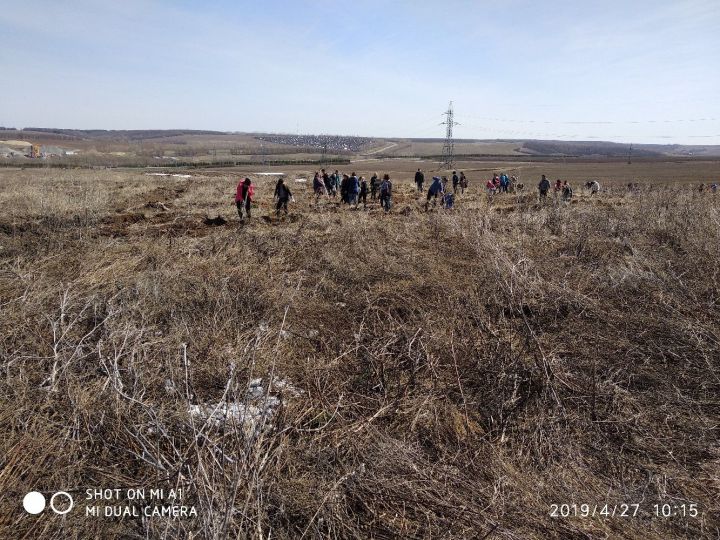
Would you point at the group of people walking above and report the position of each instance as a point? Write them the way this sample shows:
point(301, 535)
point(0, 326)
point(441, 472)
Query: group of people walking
point(354, 190)
point(501, 183)
point(563, 189)
point(459, 183)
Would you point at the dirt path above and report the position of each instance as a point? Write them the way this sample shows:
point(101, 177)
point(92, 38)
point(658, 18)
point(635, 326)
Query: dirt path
point(378, 150)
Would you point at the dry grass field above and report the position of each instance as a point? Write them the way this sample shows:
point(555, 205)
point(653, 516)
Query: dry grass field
point(441, 374)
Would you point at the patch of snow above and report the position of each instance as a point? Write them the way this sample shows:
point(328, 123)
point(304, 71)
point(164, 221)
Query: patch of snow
point(254, 413)
point(168, 174)
point(286, 388)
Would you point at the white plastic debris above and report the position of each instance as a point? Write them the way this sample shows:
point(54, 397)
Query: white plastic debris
point(254, 413)
point(285, 388)
point(255, 388)
point(252, 417)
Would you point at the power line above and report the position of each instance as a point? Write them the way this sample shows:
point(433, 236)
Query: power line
point(592, 122)
point(521, 133)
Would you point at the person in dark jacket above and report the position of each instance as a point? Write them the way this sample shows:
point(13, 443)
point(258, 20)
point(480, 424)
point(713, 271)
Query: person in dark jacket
point(353, 190)
point(344, 184)
point(544, 187)
point(243, 197)
point(436, 188)
point(455, 181)
point(374, 186)
point(283, 195)
point(386, 193)
point(327, 183)
point(419, 180)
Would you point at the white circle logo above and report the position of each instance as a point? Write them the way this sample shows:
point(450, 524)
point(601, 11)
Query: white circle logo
point(34, 502)
point(52, 502)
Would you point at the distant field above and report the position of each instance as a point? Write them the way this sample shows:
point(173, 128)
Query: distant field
point(146, 148)
point(436, 148)
point(617, 173)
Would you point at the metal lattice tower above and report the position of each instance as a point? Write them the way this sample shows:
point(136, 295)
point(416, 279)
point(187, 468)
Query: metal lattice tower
point(448, 154)
point(323, 158)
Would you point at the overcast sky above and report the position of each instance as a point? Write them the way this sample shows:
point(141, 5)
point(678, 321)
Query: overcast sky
point(622, 70)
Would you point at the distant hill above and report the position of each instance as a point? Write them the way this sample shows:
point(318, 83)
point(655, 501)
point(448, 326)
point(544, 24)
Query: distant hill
point(126, 135)
point(118, 140)
point(586, 149)
point(609, 149)
point(603, 149)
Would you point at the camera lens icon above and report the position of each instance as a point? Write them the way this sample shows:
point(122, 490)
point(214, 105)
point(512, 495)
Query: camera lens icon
point(60, 502)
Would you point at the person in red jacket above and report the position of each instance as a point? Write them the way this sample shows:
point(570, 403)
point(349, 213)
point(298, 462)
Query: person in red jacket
point(243, 197)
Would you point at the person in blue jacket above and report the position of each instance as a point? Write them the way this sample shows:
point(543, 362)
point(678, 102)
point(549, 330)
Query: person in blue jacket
point(436, 189)
point(504, 183)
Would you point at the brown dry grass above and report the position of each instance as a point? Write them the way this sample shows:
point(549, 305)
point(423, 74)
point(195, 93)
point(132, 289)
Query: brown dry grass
point(461, 371)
